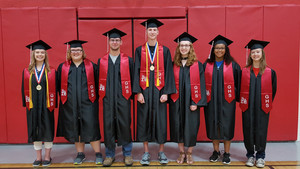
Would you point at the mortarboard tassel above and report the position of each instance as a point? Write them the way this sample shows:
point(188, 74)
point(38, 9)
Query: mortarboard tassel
point(212, 45)
point(67, 52)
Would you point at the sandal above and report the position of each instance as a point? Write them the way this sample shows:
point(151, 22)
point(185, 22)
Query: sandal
point(181, 158)
point(189, 158)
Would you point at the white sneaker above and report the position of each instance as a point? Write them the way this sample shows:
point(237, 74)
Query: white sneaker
point(250, 162)
point(260, 163)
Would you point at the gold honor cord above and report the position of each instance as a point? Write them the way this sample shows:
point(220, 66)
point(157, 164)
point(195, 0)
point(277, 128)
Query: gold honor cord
point(157, 65)
point(30, 93)
point(147, 82)
point(47, 84)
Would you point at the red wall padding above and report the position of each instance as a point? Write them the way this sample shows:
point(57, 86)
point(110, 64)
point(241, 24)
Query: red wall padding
point(281, 27)
point(279, 24)
point(3, 130)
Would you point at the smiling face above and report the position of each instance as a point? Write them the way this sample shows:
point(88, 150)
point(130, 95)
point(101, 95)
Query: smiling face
point(115, 43)
point(219, 51)
point(256, 54)
point(39, 55)
point(184, 47)
point(152, 33)
point(76, 54)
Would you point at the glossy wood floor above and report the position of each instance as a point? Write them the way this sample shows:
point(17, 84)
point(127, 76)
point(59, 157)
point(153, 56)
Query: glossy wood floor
point(171, 165)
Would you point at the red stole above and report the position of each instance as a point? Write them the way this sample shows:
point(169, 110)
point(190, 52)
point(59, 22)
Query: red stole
point(51, 89)
point(229, 91)
point(266, 90)
point(158, 63)
point(194, 80)
point(125, 76)
point(90, 80)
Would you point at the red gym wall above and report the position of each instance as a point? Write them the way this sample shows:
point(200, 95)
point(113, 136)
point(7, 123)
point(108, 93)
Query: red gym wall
point(55, 21)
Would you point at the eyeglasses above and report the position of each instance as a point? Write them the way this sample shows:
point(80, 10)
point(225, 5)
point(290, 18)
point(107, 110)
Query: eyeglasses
point(76, 51)
point(219, 48)
point(184, 46)
point(115, 40)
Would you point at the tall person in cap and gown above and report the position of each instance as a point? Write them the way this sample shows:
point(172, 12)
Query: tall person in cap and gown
point(258, 89)
point(39, 98)
point(189, 97)
point(115, 83)
point(222, 78)
point(78, 119)
point(153, 81)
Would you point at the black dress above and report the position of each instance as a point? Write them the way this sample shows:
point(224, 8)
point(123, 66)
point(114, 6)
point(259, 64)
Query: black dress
point(255, 120)
point(40, 121)
point(184, 123)
point(219, 114)
point(152, 115)
point(116, 108)
point(78, 116)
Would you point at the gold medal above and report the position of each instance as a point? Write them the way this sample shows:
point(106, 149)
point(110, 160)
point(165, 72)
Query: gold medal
point(38, 87)
point(151, 67)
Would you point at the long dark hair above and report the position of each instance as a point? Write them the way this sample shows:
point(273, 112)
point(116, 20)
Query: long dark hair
point(227, 56)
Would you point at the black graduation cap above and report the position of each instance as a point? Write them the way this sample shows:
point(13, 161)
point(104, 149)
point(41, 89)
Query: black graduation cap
point(114, 33)
point(221, 40)
point(75, 43)
point(38, 45)
point(185, 37)
point(255, 44)
point(152, 23)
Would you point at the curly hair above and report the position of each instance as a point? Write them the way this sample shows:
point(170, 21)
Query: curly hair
point(191, 56)
point(262, 62)
point(31, 66)
point(227, 56)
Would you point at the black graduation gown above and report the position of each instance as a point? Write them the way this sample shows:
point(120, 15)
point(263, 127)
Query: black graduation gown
point(255, 120)
point(219, 114)
point(152, 115)
point(78, 116)
point(116, 108)
point(184, 123)
point(40, 121)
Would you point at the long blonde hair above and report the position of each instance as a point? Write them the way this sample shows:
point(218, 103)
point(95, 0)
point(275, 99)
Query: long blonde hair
point(69, 57)
point(32, 64)
point(262, 63)
point(191, 56)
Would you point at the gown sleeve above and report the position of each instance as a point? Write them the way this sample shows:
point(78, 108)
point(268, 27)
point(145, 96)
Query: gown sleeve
point(136, 79)
point(22, 90)
point(169, 87)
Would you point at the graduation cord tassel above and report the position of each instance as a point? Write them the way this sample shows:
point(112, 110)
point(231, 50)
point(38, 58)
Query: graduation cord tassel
point(67, 52)
point(107, 42)
point(146, 31)
point(157, 65)
point(212, 45)
point(147, 81)
point(246, 55)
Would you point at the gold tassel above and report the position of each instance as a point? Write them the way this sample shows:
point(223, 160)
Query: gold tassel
point(157, 65)
point(30, 93)
point(147, 80)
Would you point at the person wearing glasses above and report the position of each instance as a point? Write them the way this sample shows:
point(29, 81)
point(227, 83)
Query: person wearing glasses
point(39, 98)
point(189, 97)
point(78, 119)
point(115, 83)
point(222, 78)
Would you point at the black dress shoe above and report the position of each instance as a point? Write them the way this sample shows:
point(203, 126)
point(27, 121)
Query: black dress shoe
point(46, 162)
point(37, 163)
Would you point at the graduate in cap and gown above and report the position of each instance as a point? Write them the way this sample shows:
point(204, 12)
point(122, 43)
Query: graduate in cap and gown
point(115, 83)
point(153, 81)
point(222, 78)
point(189, 97)
point(78, 119)
point(258, 89)
point(39, 98)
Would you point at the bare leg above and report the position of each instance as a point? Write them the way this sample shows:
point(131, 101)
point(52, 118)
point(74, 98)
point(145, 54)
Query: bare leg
point(39, 155)
point(161, 147)
point(79, 147)
point(216, 145)
point(146, 146)
point(190, 149)
point(47, 154)
point(181, 147)
point(96, 146)
point(227, 145)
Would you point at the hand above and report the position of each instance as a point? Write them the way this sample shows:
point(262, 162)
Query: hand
point(140, 98)
point(163, 98)
point(193, 107)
